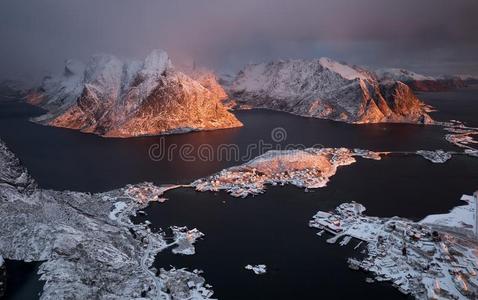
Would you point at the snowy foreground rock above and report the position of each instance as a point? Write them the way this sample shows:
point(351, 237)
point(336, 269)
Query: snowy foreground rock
point(257, 269)
point(184, 240)
point(437, 156)
point(89, 246)
point(435, 258)
point(116, 98)
point(309, 168)
point(462, 136)
point(324, 88)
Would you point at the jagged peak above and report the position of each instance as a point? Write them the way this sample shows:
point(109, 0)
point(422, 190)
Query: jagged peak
point(344, 70)
point(74, 67)
point(156, 62)
point(104, 69)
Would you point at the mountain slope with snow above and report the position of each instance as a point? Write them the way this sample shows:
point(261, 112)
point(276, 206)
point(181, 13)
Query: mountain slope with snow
point(116, 98)
point(324, 88)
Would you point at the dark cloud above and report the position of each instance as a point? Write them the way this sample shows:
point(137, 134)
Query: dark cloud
point(428, 35)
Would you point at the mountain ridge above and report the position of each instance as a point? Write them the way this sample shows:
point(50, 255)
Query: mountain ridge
point(115, 98)
point(324, 88)
point(424, 83)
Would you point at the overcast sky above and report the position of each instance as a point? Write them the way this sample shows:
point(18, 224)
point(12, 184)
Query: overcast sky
point(429, 36)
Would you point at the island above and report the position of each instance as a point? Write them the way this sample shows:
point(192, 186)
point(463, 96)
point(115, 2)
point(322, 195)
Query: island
point(115, 97)
point(309, 168)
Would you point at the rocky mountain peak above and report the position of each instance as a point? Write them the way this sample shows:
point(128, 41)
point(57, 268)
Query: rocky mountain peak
point(74, 67)
point(325, 88)
point(122, 98)
point(157, 62)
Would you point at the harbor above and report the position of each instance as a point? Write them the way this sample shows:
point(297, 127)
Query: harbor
point(435, 258)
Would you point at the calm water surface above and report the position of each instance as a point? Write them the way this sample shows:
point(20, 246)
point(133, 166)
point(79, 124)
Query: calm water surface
point(22, 281)
point(271, 228)
point(65, 159)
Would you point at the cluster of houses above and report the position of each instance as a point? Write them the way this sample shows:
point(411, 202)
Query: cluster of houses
point(244, 182)
point(418, 259)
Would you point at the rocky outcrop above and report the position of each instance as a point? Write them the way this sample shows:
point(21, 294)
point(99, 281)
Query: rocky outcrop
point(113, 98)
point(324, 88)
point(88, 246)
point(420, 82)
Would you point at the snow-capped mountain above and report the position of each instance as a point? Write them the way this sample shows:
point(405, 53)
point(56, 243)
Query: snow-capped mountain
point(324, 88)
point(420, 82)
point(117, 98)
point(468, 79)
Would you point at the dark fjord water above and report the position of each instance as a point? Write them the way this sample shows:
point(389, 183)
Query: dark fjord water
point(22, 280)
point(66, 159)
point(271, 228)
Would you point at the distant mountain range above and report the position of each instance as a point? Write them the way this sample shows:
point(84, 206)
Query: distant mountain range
point(424, 83)
point(116, 98)
point(324, 88)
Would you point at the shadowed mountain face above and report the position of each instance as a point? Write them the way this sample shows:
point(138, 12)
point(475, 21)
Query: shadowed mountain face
point(327, 89)
point(113, 98)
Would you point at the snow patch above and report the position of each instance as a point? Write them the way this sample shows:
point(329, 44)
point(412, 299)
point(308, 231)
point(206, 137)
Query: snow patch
point(437, 156)
point(346, 71)
point(257, 269)
point(156, 62)
point(118, 207)
point(184, 239)
point(462, 217)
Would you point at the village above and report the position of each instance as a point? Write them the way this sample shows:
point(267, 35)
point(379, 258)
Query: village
point(309, 169)
point(251, 182)
point(436, 258)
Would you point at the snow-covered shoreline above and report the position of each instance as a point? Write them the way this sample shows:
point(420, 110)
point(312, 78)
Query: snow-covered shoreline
point(309, 169)
point(82, 236)
point(432, 258)
point(89, 245)
point(462, 136)
point(437, 156)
